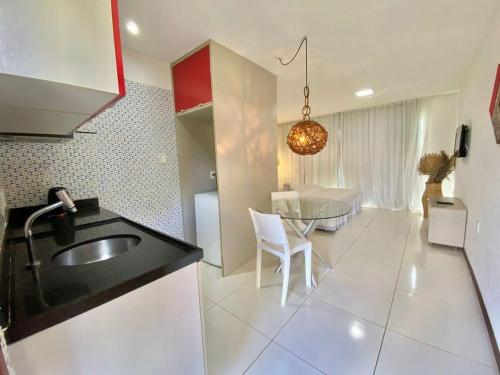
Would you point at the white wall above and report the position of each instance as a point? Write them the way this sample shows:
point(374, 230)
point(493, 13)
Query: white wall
point(478, 175)
point(145, 69)
point(441, 127)
point(442, 123)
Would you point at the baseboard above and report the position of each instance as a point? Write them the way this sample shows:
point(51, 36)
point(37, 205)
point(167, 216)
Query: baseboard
point(486, 317)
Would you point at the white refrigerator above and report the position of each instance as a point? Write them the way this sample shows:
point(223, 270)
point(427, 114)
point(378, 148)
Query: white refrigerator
point(208, 226)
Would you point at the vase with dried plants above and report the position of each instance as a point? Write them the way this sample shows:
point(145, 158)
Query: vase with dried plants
point(437, 166)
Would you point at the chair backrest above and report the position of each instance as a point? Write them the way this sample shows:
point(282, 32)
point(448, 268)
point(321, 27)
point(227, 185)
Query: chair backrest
point(291, 204)
point(269, 227)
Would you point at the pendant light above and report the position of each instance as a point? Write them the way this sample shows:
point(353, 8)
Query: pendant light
point(306, 137)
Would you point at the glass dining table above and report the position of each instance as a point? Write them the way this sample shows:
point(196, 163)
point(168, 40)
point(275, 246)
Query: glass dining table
point(303, 215)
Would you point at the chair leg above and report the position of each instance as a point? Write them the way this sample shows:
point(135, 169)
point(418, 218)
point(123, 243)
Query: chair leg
point(308, 266)
point(258, 266)
point(286, 277)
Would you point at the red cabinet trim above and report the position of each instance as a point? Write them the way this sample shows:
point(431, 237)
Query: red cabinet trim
point(118, 47)
point(119, 62)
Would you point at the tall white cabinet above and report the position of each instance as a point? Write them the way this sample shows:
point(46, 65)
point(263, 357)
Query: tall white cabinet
point(226, 121)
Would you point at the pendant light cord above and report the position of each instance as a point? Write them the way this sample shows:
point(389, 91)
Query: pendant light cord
point(306, 137)
point(306, 110)
point(294, 56)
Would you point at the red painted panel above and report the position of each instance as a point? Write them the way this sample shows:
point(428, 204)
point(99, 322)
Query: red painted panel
point(191, 80)
point(118, 47)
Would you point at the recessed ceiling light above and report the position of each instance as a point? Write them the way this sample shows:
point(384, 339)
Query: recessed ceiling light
point(132, 28)
point(364, 92)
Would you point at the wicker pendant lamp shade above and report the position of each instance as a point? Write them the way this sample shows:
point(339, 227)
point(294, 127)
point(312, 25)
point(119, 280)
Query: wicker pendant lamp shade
point(307, 137)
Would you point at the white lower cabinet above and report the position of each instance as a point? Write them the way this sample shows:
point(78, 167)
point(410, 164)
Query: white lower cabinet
point(155, 329)
point(208, 226)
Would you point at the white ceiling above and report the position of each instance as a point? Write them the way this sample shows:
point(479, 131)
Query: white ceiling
point(400, 48)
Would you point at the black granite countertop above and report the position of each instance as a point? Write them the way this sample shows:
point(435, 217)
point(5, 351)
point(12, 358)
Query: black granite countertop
point(35, 300)
point(88, 212)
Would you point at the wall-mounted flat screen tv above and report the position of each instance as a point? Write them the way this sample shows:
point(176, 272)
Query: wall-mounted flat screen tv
point(461, 145)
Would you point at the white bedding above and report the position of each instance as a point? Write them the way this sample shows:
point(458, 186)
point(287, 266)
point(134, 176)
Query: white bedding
point(350, 196)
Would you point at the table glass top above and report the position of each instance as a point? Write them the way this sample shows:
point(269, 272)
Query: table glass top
point(305, 208)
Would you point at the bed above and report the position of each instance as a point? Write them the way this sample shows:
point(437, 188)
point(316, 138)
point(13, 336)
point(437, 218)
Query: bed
point(351, 196)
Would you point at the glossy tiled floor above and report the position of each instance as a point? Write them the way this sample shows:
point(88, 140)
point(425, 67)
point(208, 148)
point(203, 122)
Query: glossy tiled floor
point(391, 304)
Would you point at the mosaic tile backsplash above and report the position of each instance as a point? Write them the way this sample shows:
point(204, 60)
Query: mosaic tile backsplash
point(120, 164)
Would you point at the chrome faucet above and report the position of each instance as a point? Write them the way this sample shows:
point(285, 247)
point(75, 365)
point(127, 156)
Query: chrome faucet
point(66, 202)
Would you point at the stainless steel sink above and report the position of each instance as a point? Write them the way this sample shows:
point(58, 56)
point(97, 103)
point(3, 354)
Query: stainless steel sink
point(96, 250)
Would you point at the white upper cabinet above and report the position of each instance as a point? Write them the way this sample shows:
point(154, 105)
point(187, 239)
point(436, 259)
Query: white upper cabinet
point(60, 64)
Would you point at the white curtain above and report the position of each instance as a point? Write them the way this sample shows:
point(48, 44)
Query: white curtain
point(374, 150)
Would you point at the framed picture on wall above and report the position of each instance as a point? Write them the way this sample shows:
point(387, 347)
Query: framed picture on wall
point(495, 106)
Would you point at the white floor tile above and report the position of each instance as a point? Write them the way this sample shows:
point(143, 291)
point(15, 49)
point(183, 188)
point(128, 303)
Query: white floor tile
point(362, 296)
point(203, 264)
point(297, 281)
point(261, 308)
point(378, 254)
point(365, 217)
point(268, 260)
point(230, 344)
point(381, 241)
point(435, 258)
point(394, 221)
point(277, 361)
point(384, 269)
point(455, 289)
point(207, 303)
point(419, 224)
point(216, 287)
point(331, 340)
point(331, 245)
point(451, 328)
point(354, 226)
point(402, 355)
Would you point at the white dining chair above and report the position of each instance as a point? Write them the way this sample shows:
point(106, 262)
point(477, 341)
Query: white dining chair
point(272, 237)
point(289, 195)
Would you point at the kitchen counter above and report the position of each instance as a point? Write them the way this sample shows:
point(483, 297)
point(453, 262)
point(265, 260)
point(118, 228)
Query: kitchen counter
point(32, 301)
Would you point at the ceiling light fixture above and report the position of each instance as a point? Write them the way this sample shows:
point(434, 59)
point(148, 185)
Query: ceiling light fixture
point(132, 28)
point(364, 92)
point(307, 137)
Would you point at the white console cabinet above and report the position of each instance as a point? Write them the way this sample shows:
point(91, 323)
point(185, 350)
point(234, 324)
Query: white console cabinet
point(447, 221)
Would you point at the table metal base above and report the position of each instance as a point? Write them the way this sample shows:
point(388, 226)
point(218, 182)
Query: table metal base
point(305, 234)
